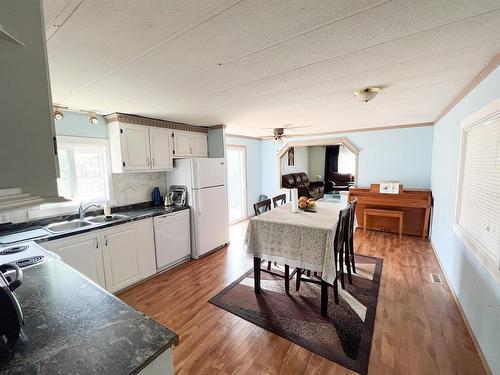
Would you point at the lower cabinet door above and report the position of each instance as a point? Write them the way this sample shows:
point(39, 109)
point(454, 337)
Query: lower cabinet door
point(121, 257)
point(83, 253)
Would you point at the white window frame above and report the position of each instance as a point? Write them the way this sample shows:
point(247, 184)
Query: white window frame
point(488, 113)
point(50, 209)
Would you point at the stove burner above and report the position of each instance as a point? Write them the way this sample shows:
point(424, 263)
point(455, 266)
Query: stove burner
point(25, 262)
point(13, 249)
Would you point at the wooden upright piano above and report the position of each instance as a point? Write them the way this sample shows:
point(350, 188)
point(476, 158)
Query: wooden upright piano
point(415, 203)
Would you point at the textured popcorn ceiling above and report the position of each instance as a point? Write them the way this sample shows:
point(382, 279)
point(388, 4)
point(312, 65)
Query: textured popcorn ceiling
point(261, 64)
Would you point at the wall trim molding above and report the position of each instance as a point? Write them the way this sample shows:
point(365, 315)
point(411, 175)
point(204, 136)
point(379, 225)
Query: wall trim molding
point(147, 121)
point(462, 312)
point(483, 73)
point(244, 137)
point(390, 127)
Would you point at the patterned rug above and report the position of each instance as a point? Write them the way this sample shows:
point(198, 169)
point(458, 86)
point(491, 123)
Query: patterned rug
point(344, 337)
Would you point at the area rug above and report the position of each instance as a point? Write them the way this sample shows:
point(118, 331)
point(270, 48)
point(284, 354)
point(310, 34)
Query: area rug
point(344, 337)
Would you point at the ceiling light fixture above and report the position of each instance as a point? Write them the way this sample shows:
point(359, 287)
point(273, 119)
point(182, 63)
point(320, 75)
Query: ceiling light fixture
point(93, 120)
point(366, 94)
point(57, 113)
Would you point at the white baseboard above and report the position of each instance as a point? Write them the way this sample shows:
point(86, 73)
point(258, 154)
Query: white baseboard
point(462, 312)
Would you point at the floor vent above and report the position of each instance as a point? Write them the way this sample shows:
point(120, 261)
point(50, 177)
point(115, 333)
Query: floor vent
point(436, 279)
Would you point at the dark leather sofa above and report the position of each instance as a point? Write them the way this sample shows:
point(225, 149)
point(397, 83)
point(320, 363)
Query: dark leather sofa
point(310, 189)
point(339, 181)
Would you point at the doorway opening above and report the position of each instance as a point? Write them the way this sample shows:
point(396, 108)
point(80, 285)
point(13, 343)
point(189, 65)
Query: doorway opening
point(236, 160)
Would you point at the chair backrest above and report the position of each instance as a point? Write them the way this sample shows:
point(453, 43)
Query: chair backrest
point(342, 227)
point(279, 200)
point(262, 206)
point(352, 219)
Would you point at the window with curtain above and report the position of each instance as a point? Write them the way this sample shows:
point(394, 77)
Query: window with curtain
point(477, 218)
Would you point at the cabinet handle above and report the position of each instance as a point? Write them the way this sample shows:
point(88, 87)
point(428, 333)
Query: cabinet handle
point(96, 243)
point(190, 150)
point(105, 240)
point(153, 160)
point(147, 162)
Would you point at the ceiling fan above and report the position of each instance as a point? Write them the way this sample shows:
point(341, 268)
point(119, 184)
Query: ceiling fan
point(279, 133)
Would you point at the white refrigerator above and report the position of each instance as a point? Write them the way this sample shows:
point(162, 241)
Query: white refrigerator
point(205, 179)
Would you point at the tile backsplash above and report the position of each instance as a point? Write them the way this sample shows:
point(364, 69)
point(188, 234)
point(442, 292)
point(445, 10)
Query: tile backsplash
point(129, 188)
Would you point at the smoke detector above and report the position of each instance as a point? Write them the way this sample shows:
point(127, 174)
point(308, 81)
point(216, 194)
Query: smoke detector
point(366, 94)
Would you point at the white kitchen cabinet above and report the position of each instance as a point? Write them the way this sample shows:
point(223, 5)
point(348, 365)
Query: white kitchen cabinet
point(135, 147)
point(139, 148)
point(161, 152)
point(128, 252)
point(83, 253)
point(190, 144)
point(200, 145)
point(182, 144)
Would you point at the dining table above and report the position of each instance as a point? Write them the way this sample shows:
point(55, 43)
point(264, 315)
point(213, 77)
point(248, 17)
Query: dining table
point(303, 239)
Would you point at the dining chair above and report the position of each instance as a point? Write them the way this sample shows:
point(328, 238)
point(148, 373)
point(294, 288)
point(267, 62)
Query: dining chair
point(339, 244)
point(349, 256)
point(259, 208)
point(279, 200)
point(262, 206)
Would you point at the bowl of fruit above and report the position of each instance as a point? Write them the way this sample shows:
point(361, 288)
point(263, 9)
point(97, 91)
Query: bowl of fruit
point(307, 204)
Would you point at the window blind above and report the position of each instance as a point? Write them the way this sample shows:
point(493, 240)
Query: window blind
point(479, 199)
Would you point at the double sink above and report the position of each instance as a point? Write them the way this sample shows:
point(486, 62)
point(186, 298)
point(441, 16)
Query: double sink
point(82, 223)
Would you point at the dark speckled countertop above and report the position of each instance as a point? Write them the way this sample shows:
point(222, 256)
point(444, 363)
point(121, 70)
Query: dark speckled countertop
point(75, 327)
point(133, 212)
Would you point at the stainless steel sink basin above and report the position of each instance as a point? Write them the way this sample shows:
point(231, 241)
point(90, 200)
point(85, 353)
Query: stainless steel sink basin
point(104, 219)
point(67, 225)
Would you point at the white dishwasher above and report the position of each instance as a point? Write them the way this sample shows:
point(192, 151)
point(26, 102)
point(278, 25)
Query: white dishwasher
point(172, 239)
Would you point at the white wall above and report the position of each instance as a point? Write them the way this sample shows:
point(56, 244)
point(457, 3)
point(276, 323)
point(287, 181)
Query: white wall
point(316, 162)
point(477, 291)
point(301, 161)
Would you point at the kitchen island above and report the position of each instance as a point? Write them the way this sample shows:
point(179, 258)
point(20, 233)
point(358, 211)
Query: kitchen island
point(73, 326)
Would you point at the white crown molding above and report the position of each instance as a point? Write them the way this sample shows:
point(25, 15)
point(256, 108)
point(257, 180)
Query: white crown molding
point(146, 121)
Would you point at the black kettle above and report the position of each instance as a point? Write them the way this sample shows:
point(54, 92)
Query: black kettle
point(11, 315)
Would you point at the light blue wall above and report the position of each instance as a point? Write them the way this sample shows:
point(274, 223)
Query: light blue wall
point(396, 154)
point(76, 124)
point(477, 292)
point(254, 175)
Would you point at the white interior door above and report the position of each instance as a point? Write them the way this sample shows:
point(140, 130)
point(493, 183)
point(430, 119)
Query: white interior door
point(236, 183)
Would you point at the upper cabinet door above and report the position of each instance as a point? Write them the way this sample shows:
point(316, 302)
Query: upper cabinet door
point(135, 147)
point(161, 152)
point(182, 144)
point(199, 145)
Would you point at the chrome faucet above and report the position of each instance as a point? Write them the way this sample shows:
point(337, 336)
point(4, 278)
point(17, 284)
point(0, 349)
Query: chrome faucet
point(83, 210)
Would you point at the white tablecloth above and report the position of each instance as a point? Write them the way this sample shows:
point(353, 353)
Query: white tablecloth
point(302, 239)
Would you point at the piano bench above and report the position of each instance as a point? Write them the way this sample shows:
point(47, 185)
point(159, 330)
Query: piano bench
point(384, 213)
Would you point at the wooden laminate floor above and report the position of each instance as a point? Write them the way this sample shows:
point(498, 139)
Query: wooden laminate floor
point(418, 328)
